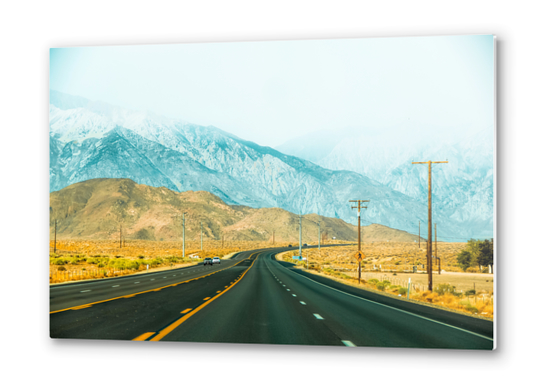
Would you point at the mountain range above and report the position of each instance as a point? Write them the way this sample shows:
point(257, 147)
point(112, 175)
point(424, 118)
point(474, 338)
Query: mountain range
point(91, 140)
point(95, 209)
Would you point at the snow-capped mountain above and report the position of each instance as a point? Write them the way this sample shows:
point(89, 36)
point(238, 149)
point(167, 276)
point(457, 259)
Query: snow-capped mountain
point(94, 140)
point(462, 189)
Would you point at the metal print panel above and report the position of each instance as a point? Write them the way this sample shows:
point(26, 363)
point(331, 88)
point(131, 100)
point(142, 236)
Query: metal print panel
point(317, 192)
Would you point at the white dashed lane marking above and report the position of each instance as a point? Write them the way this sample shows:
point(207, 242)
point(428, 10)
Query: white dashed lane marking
point(318, 316)
point(348, 343)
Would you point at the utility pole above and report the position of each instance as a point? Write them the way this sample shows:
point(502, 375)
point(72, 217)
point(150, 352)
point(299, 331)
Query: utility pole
point(183, 235)
point(436, 242)
point(429, 235)
point(318, 234)
point(358, 206)
point(300, 244)
point(419, 233)
point(55, 237)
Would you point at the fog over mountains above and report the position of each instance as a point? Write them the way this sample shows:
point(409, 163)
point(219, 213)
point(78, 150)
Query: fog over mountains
point(91, 140)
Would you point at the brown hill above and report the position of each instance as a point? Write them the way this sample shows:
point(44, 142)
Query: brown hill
point(98, 208)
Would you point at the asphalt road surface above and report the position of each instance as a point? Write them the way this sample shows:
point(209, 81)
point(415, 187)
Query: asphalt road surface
point(254, 298)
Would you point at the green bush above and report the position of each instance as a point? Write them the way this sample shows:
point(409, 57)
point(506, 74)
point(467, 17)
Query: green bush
point(402, 291)
point(441, 289)
point(373, 281)
point(61, 269)
point(471, 308)
point(470, 292)
point(381, 286)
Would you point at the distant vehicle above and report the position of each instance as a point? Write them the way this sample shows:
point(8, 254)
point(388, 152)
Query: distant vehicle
point(208, 261)
point(290, 246)
point(305, 244)
point(216, 260)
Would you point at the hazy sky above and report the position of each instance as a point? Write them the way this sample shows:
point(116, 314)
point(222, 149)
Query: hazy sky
point(270, 92)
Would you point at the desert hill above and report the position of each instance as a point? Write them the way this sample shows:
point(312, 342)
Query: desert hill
point(99, 208)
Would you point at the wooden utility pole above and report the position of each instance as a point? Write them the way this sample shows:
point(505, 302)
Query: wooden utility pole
point(318, 234)
point(55, 237)
point(300, 239)
point(419, 233)
point(436, 255)
point(429, 234)
point(358, 206)
point(183, 236)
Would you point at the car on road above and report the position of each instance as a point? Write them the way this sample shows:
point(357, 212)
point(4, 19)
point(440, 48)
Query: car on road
point(208, 261)
point(305, 244)
point(289, 245)
point(216, 260)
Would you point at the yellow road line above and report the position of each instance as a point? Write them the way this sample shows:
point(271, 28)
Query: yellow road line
point(174, 325)
point(207, 298)
point(139, 293)
point(187, 310)
point(144, 336)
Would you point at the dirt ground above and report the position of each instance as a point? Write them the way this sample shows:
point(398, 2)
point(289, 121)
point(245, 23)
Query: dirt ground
point(481, 282)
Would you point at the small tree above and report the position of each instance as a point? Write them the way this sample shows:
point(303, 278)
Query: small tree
point(464, 259)
point(485, 256)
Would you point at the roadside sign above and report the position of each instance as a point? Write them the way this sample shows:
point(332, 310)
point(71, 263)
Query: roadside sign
point(359, 255)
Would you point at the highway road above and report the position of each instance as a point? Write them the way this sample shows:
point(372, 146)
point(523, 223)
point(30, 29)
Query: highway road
point(254, 298)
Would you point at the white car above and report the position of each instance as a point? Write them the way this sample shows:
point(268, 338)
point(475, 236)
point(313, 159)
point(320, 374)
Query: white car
point(216, 260)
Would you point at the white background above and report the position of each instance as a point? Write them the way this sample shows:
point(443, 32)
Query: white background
point(29, 29)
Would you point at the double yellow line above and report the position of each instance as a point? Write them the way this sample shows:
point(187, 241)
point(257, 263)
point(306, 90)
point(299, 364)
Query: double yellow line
point(182, 319)
point(139, 293)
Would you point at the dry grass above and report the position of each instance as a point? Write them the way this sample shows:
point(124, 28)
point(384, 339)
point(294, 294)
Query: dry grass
point(388, 266)
point(90, 259)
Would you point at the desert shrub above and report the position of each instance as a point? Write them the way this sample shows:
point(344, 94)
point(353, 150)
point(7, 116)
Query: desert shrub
point(442, 289)
point(402, 291)
point(373, 281)
point(133, 265)
point(386, 282)
point(429, 296)
point(61, 269)
point(140, 257)
point(101, 265)
point(470, 292)
point(471, 308)
point(381, 286)
point(60, 261)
